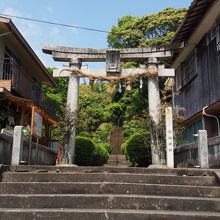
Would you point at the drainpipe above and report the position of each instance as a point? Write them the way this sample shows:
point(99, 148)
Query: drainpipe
point(211, 116)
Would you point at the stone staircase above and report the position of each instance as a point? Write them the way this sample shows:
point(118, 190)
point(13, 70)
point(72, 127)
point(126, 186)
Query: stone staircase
point(108, 193)
point(118, 160)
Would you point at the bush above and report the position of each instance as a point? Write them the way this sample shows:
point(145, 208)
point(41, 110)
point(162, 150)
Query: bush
point(137, 149)
point(89, 154)
point(135, 126)
point(107, 146)
point(84, 151)
point(100, 155)
point(103, 133)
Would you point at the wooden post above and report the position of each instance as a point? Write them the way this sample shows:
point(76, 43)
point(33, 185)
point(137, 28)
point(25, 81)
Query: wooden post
point(30, 141)
point(154, 109)
point(22, 116)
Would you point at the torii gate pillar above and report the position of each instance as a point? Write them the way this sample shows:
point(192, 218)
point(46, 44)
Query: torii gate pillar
point(154, 109)
point(72, 103)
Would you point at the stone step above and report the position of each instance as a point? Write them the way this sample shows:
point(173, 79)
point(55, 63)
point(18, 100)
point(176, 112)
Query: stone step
point(100, 214)
point(109, 188)
point(110, 177)
point(108, 201)
point(102, 169)
point(118, 163)
point(119, 157)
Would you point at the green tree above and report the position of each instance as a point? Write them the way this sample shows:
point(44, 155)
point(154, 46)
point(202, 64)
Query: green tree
point(58, 94)
point(93, 109)
point(150, 30)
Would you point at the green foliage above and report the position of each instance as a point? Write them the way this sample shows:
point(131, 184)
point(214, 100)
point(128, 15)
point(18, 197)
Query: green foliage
point(150, 30)
point(93, 109)
point(137, 149)
point(107, 146)
point(100, 155)
point(57, 94)
point(89, 154)
point(125, 34)
point(84, 151)
point(102, 134)
point(3, 114)
point(116, 111)
point(135, 126)
point(133, 103)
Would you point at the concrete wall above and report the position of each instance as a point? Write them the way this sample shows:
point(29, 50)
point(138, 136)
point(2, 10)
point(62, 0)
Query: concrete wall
point(187, 155)
point(46, 156)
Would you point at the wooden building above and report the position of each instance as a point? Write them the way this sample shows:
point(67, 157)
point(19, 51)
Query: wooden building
point(197, 66)
point(22, 75)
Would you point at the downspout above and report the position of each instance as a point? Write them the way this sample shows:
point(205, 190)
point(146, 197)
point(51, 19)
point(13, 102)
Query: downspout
point(211, 116)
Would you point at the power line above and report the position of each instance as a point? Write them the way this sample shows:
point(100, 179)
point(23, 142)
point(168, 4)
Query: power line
point(54, 23)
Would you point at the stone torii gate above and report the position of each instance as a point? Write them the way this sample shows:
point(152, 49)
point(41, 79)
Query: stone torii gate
point(149, 56)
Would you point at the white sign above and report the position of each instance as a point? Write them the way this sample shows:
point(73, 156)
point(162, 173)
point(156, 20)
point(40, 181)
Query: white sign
point(169, 137)
point(37, 128)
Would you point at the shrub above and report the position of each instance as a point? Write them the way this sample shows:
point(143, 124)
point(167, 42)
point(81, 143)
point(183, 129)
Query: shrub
point(100, 155)
point(89, 154)
point(135, 126)
point(123, 146)
point(137, 149)
point(107, 146)
point(103, 133)
point(84, 151)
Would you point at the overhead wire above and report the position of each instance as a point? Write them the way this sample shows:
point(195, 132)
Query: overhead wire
point(54, 23)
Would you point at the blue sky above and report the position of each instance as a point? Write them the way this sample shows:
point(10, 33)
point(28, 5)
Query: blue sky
point(98, 14)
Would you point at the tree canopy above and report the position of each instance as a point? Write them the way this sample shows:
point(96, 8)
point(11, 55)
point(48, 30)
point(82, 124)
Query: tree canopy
point(150, 30)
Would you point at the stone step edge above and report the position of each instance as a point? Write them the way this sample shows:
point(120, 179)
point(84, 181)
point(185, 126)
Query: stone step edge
point(105, 173)
point(111, 211)
point(110, 183)
point(110, 195)
point(177, 171)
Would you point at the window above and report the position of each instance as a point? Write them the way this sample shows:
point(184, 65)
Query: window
point(189, 69)
point(10, 66)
